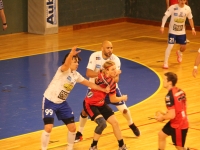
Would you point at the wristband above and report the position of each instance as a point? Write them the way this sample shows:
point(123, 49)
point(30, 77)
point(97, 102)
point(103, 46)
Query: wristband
point(195, 67)
point(4, 24)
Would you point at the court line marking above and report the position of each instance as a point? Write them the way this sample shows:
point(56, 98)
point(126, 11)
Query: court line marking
point(161, 83)
point(89, 138)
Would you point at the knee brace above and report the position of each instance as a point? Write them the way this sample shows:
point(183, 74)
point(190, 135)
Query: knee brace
point(101, 125)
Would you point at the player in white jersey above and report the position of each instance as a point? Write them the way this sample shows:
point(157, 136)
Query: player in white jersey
point(96, 61)
point(2, 15)
point(178, 12)
point(54, 100)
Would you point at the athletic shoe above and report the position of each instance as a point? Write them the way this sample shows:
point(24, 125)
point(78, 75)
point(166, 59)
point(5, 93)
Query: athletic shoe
point(135, 130)
point(179, 56)
point(93, 148)
point(123, 147)
point(79, 137)
point(165, 66)
point(187, 41)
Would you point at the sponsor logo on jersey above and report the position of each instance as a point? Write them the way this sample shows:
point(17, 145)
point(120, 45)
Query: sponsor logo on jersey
point(98, 66)
point(176, 8)
point(181, 14)
point(90, 94)
point(167, 98)
point(69, 78)
point(179, 20)
point(98, 58)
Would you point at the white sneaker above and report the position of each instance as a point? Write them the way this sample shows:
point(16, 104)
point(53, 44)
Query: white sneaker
point(123, 147)
point(93, 148)
point(187, 41)
point(179, 56)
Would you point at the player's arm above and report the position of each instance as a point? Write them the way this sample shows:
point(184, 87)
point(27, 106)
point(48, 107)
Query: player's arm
point(167, 4)
point(191, 22)
point(68, 60)
point(91, 73)
point(94, 86)
point(2, 16)
point(196, 63)
point(118, 66)
point(169, 115)
point(115, 99)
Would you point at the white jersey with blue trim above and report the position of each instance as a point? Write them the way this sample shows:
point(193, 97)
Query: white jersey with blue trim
point(1, 4)
point(61, 85)
point(96, 62)
point(178, 18)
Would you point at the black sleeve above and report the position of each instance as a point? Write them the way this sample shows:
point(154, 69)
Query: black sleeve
point(169, 99)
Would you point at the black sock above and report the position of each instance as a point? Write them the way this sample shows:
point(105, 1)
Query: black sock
point(132, 126)
point(121, 142)
point(94, 143)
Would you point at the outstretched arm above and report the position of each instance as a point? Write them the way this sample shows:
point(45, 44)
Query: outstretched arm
point(68, 60)
point(94, 86)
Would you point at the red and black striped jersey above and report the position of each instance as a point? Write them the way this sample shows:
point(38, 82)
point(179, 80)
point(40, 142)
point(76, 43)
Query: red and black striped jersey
point(176, 99)
point(95, 97)
point(172, 2)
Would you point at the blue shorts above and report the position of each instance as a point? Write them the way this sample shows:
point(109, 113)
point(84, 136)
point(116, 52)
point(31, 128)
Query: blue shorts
point(62, 111)
point(179, 39)
point(118, 94)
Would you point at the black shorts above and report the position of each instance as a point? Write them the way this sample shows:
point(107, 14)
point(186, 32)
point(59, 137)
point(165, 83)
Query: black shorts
point(178, 135)
point(94, 111)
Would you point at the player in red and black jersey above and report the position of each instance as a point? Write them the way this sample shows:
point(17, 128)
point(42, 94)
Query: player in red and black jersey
point(177, 127)
point(99, 111)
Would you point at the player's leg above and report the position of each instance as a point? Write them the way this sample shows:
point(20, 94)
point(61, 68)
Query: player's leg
point(82, 121)
point(162, 135)
point(66, 114)
point(181, 39)
point(179, 138)
point(95, 115)
point(121, 106)
point(108, 114)
point(171, 41)
point(48, 113)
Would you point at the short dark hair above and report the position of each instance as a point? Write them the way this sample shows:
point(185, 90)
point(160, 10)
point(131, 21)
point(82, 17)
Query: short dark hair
point(75, 56)
point(171, 77)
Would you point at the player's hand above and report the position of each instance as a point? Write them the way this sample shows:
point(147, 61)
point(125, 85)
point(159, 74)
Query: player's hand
point(194, 72)
point(159, 116)
point(107, 89)
point(162, 30)
point(73, 51)
point(124, 97)
point(193, 32)
point(5, 27)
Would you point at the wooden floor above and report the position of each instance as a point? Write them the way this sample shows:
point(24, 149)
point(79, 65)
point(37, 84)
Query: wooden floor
point(140, 43)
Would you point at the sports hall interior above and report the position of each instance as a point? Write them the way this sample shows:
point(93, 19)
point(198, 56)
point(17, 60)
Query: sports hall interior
point(133, 27)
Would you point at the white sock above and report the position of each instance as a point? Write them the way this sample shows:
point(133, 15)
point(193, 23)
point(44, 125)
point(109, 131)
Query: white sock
point(82, 122)
point(126, 115)
point(45, 140)
point(70, 140)
point(167, 53)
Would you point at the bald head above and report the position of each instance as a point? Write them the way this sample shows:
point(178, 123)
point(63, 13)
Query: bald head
point(107, 49)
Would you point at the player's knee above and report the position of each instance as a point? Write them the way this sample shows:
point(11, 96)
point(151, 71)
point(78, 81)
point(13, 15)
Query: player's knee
point(101, 125)
point(125, 111)
point(68, 120)
point(48, 128)
point(84, 114)
point(182, 48)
